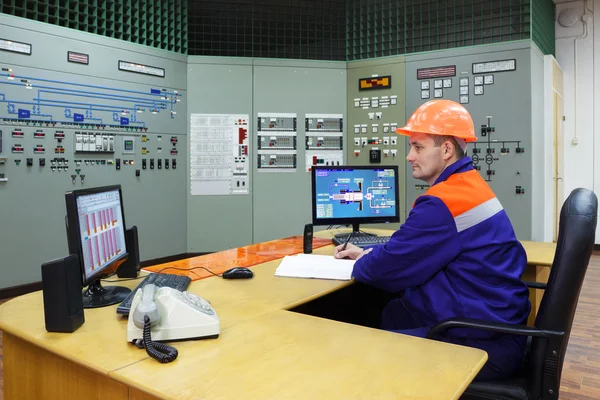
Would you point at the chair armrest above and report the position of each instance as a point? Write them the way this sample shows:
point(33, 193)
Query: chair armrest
point(535, 285)
point(499, 327)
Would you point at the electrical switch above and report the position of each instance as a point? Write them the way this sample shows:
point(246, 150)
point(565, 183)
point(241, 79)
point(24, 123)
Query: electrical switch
point(173, 163)
point(375, 156)
point(159, 163)
point(152, 163)
point(118, 163)
point(166, 163)
point(30, 162)
point(143, 163)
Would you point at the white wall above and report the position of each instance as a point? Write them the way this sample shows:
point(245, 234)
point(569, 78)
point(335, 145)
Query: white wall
point(578, 54)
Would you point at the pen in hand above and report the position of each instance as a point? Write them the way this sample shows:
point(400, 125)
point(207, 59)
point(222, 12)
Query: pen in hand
point(346, 242)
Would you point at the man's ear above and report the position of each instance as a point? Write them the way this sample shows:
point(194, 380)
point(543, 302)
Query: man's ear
point(448, 149)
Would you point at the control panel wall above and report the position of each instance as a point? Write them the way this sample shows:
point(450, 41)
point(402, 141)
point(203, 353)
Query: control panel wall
point(221, 86)
point(494, 85)
point(308, 92)
point(376, 107)
point(67, 126)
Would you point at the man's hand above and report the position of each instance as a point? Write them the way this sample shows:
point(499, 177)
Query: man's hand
point(352, 252)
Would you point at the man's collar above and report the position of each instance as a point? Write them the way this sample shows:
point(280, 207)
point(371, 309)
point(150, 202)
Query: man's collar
point(464, 164)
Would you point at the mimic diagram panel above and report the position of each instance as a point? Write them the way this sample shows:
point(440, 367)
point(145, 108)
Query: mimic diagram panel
point(365, 194)
point(324, 140)
point(276, 142)
point(219, 154)
point(69, 102)
point(488, 85)
point(68, 126)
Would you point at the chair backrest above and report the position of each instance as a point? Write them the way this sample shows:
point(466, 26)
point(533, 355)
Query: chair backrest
point(576, 236)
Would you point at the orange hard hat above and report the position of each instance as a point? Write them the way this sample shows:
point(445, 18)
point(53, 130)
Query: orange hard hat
point(441, 117)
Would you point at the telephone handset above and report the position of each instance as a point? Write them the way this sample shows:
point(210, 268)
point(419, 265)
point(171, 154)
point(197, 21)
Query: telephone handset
point(162, 314)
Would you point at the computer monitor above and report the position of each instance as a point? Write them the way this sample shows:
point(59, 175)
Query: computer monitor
point(96, 233)
point(344, 195)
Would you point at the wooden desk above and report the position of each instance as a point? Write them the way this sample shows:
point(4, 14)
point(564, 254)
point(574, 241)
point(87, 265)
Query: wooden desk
point(540, 256)
point(263, 352)
point(284, 355)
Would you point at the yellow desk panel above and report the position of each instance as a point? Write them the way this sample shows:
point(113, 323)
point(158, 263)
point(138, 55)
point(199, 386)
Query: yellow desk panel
point(284, 355)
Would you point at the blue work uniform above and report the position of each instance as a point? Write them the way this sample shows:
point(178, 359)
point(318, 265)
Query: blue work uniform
point(455, 256)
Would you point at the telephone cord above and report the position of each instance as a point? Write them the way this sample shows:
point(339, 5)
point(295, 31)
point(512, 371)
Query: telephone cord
point(159, 351)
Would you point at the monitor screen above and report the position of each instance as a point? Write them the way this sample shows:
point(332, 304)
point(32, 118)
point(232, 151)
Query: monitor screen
point(96, 232)
point(354, 195)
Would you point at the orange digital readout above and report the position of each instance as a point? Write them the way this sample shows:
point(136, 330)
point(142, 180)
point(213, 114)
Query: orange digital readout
point(379, 82)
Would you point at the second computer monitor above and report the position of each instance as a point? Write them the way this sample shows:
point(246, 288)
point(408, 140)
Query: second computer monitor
point(354, 195)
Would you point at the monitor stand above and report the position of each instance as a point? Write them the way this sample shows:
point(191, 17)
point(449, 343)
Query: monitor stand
point(355, 231)
point(98, 296)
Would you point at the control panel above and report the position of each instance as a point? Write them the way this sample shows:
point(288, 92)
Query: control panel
point(324, 139)
point(276, 161)
point(79, 154)
point(276, 142)
point(376, 109)
point(488, 84)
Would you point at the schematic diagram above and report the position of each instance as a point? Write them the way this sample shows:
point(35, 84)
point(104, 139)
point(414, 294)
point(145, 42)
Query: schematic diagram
point(64, 103)
point(365, 195)
point(490, 151)
point(376, 195)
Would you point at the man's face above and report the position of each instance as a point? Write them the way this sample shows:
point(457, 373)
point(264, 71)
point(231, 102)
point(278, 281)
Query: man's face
point(427, 160)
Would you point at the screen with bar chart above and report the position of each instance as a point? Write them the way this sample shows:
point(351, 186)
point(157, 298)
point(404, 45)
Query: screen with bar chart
point(96, 233)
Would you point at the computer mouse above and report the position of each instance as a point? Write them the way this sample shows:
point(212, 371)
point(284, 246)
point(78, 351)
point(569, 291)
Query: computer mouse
point(238, 273)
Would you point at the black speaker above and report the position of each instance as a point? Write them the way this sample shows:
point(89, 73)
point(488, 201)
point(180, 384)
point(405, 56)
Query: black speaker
point(63, 302)
point(131, 267)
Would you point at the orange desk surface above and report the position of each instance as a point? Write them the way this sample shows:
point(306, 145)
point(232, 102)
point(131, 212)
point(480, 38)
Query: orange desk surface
point(241, 257)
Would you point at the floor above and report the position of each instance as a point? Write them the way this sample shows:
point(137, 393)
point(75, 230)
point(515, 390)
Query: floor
point(581, 370)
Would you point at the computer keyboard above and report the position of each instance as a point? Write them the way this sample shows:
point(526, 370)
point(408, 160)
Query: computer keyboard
point(362, 240)
point(178, 282)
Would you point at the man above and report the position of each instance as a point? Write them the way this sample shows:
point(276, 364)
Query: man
point(456, 255)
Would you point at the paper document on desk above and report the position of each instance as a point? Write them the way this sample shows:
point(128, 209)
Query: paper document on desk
point(315, 266)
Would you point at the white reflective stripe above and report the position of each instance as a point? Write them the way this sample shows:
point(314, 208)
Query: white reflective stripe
point(476, 215)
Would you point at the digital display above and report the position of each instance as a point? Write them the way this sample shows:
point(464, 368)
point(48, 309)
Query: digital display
point(15, 47)
point(436, 72)
point(141, 69)
point(495, 66)
point(349, 193)
point(374, 83)
point(78, 58)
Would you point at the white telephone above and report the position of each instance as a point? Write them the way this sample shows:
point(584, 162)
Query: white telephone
point(172, 315)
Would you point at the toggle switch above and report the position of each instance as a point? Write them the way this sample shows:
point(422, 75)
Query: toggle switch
point(73, 178)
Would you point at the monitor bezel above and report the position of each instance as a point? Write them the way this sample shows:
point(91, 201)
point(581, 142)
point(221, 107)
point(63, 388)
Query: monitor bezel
point(358, 220)
point(74, 238)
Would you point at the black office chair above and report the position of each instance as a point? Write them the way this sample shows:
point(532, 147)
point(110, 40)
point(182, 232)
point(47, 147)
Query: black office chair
point(539, 378)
